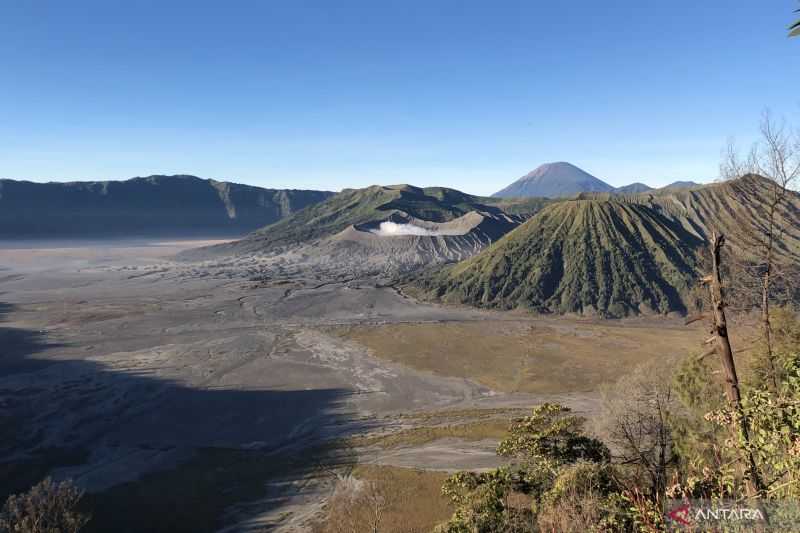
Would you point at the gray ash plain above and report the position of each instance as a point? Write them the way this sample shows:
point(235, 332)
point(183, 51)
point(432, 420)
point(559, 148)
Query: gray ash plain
point(119, 363)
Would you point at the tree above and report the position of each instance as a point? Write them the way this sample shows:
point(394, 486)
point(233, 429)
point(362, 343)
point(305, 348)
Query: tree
point(586, 497)
point(635, 418)
point(736, 417)
point(699, 446)
point(773, 165)
point(794, 29)
point(713, 452)
point(551, 436)
point(507, 499)
point(774, 420)
point(487, 502)
point(48, 507)
point(739, 424)
point(361, 505)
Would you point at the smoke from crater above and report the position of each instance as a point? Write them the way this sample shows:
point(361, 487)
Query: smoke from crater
point(392, 229)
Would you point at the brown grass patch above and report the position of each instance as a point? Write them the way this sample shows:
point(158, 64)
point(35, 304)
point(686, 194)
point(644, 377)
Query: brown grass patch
point(418, 436)
point(546, 356)
point(408, 500)
point(464, 415)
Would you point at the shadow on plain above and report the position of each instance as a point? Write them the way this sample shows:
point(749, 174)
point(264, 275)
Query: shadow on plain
point(157, 455)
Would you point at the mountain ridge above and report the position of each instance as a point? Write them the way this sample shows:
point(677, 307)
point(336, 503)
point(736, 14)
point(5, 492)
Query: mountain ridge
point(562, 179)
point(633, 188)
point(354, 207)
point(601, 254)
point(177, 205)
point(584, 256)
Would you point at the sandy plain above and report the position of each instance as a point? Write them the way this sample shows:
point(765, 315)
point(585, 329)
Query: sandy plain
point(199, 397)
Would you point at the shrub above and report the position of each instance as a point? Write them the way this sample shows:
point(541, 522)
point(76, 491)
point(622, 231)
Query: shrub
point(48, 507)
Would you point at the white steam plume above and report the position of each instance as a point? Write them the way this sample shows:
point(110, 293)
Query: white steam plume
point(391, 229)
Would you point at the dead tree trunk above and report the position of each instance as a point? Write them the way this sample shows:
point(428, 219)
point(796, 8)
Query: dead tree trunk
point(778, 195)
point(722, 345)
point(766, 325)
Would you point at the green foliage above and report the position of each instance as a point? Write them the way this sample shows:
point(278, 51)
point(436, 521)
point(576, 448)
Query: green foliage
point(585, 497)
point(460, 486)
point(551, 437)
point(508, 498)
point(568, 482)
point(794, 29)
point(774, 421)
point(642, 514)
point(712, 454)
point(524, 207)
point(707, 467)
point(481, 501)
point(583, 477)
point(696, 442)
point(785, 340)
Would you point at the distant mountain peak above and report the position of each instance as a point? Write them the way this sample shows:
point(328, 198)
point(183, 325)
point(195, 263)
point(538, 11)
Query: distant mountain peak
point(554, 180)
point(633, 188)
point(557, 164)
point(682, 185)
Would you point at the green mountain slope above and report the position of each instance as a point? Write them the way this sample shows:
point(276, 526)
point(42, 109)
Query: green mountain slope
point(583, 256)
point(613, 256)
point(362, 206)
point(727, 207)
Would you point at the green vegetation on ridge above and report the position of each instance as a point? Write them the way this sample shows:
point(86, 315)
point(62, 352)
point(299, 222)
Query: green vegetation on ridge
point(359, 206)
point(583, 256)
point(609, 255)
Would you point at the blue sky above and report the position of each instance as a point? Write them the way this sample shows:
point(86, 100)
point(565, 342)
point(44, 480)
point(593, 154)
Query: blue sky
point(327, 95)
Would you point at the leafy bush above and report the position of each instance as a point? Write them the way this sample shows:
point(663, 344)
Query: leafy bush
point(562, 479)
point(508, 499)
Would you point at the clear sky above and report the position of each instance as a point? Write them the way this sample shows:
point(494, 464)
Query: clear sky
point(333, 94)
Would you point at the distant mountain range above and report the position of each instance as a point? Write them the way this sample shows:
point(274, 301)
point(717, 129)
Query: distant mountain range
point(599, 254)
point(183, 205)
point(562, 179)
point(172, 206)
point(370, 205)
point(595, 253)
